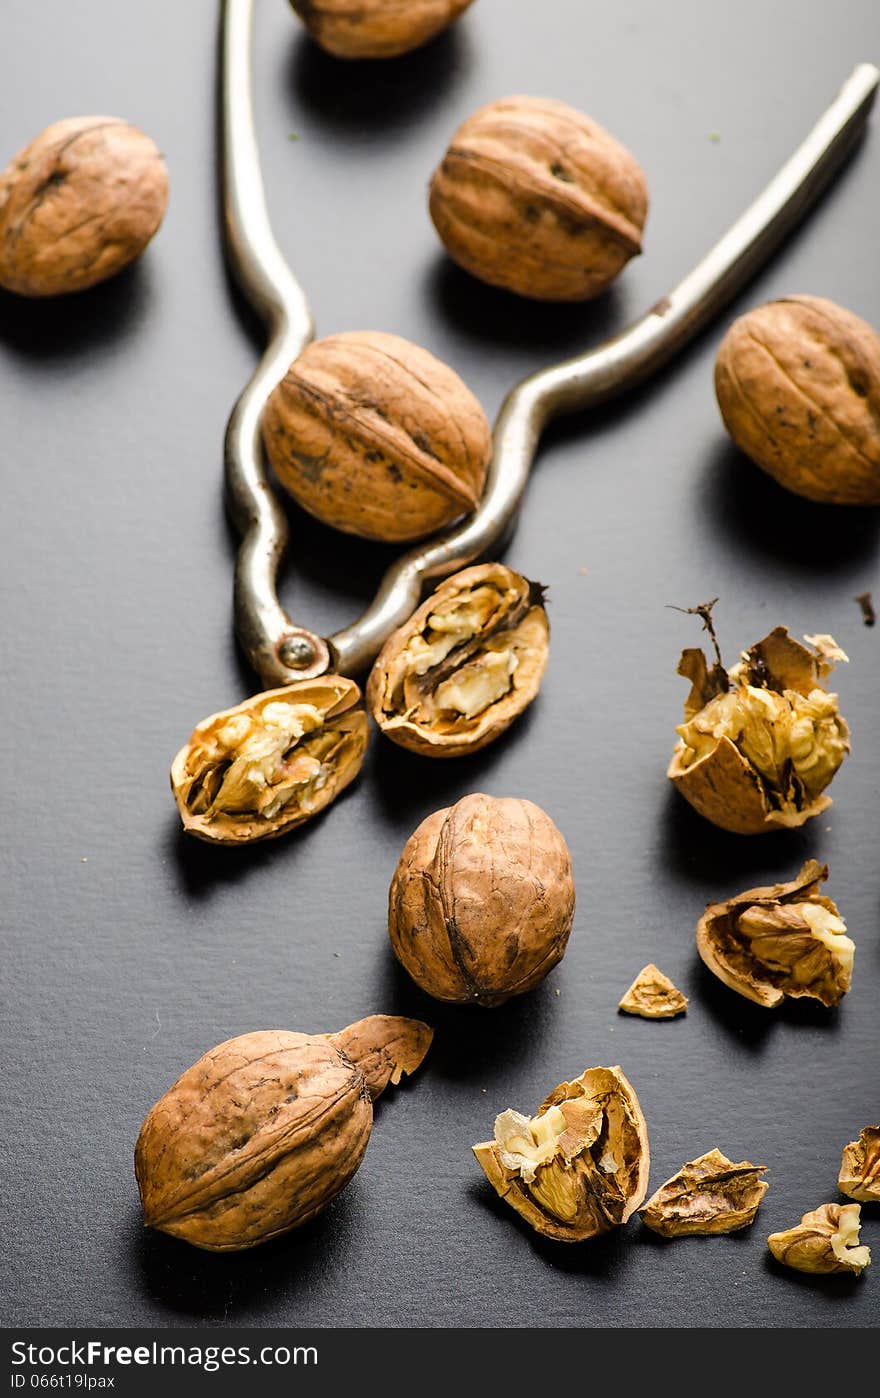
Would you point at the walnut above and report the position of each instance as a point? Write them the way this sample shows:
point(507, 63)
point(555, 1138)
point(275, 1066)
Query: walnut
point(464, 666)
point(785, 940)
point(760, 742)
point(78, 204)
point(579, 1166)
point(536, 197)
point(860, 1167)
point(708, 1195)
point(264, 1130)
point(376, 28)
point(826, 1240)
point(376, 437)
point(482, 901)
point(798, 384)
point(256, 771)
point(653, 996)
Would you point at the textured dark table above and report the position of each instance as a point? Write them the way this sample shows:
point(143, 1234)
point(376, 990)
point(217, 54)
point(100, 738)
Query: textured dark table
point(129, 950)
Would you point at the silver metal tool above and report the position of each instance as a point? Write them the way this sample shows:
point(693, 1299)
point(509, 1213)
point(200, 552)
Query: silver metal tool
point(279, 649)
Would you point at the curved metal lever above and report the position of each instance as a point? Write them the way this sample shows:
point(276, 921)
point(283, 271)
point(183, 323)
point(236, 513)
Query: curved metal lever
point(280, 650)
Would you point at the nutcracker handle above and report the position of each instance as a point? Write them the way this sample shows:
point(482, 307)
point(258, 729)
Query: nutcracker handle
point(282, 651)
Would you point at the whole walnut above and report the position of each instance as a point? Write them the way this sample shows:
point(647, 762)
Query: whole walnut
point(535, 197)
point(376, 437)
point(798, 385)
point(376, 28)
point(482, 902)
point(78, 204)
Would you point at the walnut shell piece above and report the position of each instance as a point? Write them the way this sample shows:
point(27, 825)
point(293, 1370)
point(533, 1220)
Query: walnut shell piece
point(798, 385)
point(537, 198)
point(78, 204)
point(373, 435)
point(466, 664)
point(482, 901)
point(826, 1240)
point(579, 1166)
point(376, 28)
point(263, 1131)
point(762, 741)
point(653, 996)
point(267, 765)
point(782, 941)
point(708, 1195)
point(860, 1167)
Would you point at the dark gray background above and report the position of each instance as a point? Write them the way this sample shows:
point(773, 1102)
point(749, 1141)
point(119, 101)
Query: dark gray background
point(129, 950)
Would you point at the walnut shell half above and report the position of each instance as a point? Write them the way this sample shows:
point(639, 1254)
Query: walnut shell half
point(376, 28)
point(465, 665)
point(259, 769)
point(798, 385)
point(708, 1195)
point(78, 204)
point(860, 1167)
point(537, 198)
point(374, 436)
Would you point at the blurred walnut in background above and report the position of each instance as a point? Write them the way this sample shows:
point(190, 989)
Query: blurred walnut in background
point(376, 28)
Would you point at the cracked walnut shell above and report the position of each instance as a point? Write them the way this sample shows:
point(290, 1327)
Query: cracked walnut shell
point(465, 665)
point(825, 1240)
point(482, 901)
point(579, 1166)
point(272, 762)
point(653, 996)
point(798, 385)
point(263, 1131)
point(373, 435)
point(708, 1195)
point(537, 198)
point(784, 940)
point(762, 741)
point(860, 1167)
point(78, 204)
point(376, 28)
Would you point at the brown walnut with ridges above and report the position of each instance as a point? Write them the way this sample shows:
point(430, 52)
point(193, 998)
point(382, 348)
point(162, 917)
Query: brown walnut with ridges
point(537, 198)
point(376, 28)
point(78, 204)
point(798, 385)
point(374, 436)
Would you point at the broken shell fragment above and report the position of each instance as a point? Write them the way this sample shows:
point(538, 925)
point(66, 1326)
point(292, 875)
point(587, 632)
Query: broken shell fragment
point(860, 1167)
point(826, 1240)
point(653, 996)
point(272, 762)
point(783, 940)
point(464, 666)
point(579, 1166)
point(762, 741)
point(263, 1131)
point(708, 1195)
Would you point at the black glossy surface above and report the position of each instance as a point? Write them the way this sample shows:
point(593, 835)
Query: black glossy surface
point(129, 949)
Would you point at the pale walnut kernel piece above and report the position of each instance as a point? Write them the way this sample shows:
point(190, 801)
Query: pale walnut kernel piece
point(265, 766)
point(860, 1167)
point(579, 1166)
point(376, 28)
point(653, 996)
point(762, 741)
point(783, 940)
point(708, 1195)
point(464, 666)
point(826, 1240)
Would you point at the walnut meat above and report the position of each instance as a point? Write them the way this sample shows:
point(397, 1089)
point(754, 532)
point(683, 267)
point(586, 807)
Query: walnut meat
point(708, 1195)
point(860, 1167)
point(536, 197)
point(785, 940)
point(653, 996)
point(482, 901)
point(78, 204)
point(264, 1130)
point(256, 771)
point(464, 666)
point(762, 741)
point(798, 385)
point(376, 28)
point(579, 1166)
point(376, 437)
point(825, 1240)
